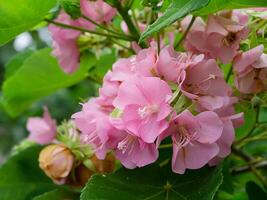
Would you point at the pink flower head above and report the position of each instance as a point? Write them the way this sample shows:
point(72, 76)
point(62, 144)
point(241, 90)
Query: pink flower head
point(194, 139)
point(205, 84)
point(220, 39)
point(64, 43)
point(251, 70)
point(42, 130)
point(144, 103)
point(171, 63)
point(98, 10)
point(96, 129)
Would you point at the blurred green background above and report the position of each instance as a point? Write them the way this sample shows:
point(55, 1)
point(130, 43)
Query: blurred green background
point(61, 104)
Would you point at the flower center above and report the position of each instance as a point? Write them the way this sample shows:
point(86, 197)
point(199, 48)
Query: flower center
point(183, 136)
point(147, 110)
point(127, 144)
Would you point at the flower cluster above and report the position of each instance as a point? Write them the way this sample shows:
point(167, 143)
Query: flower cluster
point(149, 97)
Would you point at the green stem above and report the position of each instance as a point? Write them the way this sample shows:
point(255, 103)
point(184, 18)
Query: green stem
point(165, 146)
point(132, 28)
point(229, 73)
point(106, 29)
point(86, 30)
point(123, 46)
point(186, 32)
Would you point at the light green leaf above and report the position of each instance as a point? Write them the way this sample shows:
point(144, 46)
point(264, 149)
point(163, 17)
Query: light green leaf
point(39, 76)
point(17, 16)
point(57, 194)
point(16, 62)
point(21, 177)
point(217, 5)
point(177, 10)
point(152, 183)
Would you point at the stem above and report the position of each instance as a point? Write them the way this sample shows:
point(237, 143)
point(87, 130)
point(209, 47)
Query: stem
point(86, 30)
point(246, 168)
point(186, 32)
point(123, 46)
point(104, 28)
point(133, 30)
point(229, 73)
point(165, 146)
point(249, 159)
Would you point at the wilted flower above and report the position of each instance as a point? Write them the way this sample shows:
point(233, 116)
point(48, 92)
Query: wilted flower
point(56, 161)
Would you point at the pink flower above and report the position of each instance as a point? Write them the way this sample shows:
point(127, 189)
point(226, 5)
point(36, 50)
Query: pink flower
point(96, 129)
point(220, 39)
point(42, 130)
point(204, 83)
point(144, 103)
point(171, 63)
point(251, 70)
point(64, 43)
point(194, 139)
point(98, 10)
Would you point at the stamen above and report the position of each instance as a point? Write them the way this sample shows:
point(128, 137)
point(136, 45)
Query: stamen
point(147, 110)
point(127, 143)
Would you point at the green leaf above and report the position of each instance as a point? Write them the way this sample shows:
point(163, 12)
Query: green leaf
point(72, 7)
point(57, 194)
point(217, 5)
point(152, 183)
point(255, 192)
point(21, 177)
point(39, 76)
point(103, 64)
point(177, 10)
point(17, 16)
point(16, 62)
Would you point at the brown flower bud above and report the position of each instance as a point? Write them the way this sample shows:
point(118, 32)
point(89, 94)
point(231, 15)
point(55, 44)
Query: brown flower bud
point(104, 166)
point(56, 161)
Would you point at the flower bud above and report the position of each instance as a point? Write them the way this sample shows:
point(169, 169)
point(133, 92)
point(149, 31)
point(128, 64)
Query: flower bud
point(104, 166)
point(56, 161)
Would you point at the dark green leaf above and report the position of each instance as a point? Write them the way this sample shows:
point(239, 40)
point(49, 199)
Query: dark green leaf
point(21, 177)
point(177, 10)
point(39, 76)
point(255, 192)
point(17, 16)
point(152, 183)
point(58, 194)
